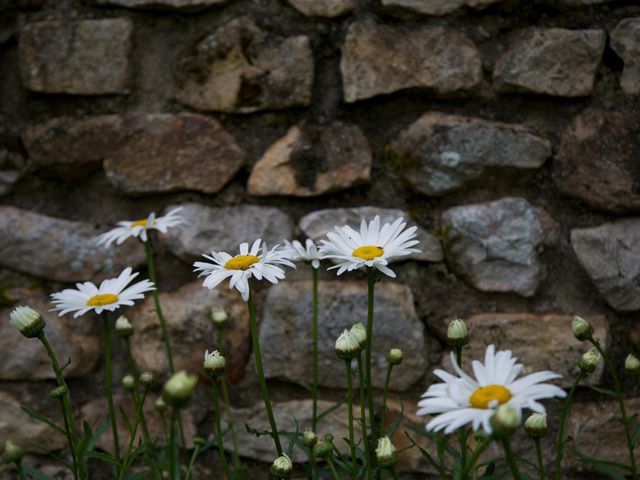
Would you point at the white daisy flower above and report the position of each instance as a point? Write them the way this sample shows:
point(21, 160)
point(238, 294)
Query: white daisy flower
point(372, 246)
point(303, 253)
point(112, 294)
point(139, 228)
point(462, 399)
point(257, 261)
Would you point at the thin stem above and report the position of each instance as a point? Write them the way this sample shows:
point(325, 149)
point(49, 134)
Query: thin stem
point(394, 474)
point(332, 467)
point(363, 417)
point(263, 383)
point(384, 397)
point(230, 425)
point(196, 451)
point(458, 355)
point(564, 422)
point(20, 471)
point(106, 334)
point(352, 441)
point(133, 368)
point(312, 462)
point(623, 410)
point(174, 462)
point(156, 301)
point(72, 447)
point(370, 299)
point(462, 438)
point(127, 458)
point(470, 466)
point(511, 459)
point(216, 413)
point(314, 382)
point(536, 441)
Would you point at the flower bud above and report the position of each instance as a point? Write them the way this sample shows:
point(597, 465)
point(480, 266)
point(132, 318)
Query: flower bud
point(282, 467)
point(360, 332)
point(506, 420)
point(124, 327)
point(59, 392)
point(147, 378)
point(29, 322)
point(129, 383)
point(589, 361)
point(160, 405)
point(386, 453)
point(395, 356)
point(219, 317)
point(536, 425)
point(199, 441)
point(457, 333)
point(347, 346)
point(214, 363)
point(309, 438)
point(178, 389)
point(582, 329)
point(632, 364)
point(323, 447)
point(13, 453)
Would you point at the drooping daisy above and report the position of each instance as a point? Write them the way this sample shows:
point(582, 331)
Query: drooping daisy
point(303, 253)
point(463, 399)
point(110, 295)
point(372, 246)
point(257, 261)
point(139, 228)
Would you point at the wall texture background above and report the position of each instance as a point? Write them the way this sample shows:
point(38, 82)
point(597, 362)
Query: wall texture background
point(507, 131)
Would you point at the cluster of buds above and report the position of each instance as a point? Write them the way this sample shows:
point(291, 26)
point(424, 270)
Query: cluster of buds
point(282, 467)
point(28, 322)
point(178, 389)
point(214, 363)
point(386, 453)
point(457, 333)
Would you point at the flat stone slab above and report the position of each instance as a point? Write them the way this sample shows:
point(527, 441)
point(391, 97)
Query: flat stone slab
point(313, 160)
point(81, 57)
point(59, 249)
point(224, 228)
point(316, 225)
point(436, 7)
point(551, 61)
point(186, 5)
point(324, 8)
point(495, 245)
point(241, 68)
point(441, 153)
point(286, 320)
point(610, 253)
point(625, 41)
point(379, 59)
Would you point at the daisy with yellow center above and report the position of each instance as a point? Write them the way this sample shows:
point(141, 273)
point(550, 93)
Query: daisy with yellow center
point(372, 246)
point(257, 261)
point(463, 399)
point(109, 296)
point(139, 228)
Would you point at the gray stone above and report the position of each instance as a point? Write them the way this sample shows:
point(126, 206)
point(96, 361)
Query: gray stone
point(188, 314)
point(324, 8)
point(241, 68)
point(224, 229)
point(310, 161)
point(610, 254)
point(21, 359)
point(495, 245)
point(285, 331)
point(437, 7)
point(83, 57)
point(316, 225)
point(541, 342)
point(187, 5)
point(625, 41)
point(579, 3)
point(379, 59)
point(11, 169)
point(551, 61)
point(597, 160)
point(60, 249)
point(444, 153)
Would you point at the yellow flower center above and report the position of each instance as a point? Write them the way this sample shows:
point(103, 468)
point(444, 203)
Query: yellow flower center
point(139, 223)
point(368, 252)
point(103, 299)
point(241, 262)
point(484, 397)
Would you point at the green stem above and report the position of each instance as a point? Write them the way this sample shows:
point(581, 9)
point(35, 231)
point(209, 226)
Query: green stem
point(20, 471)
point(312, 462)
point(106, 334)
point(536, 441)
point(363, 417)
point(352, 441)
point(462, 438)
point(156, 301)
point(384, 397)
point(196, 451)
point(458, 356)
point(174, 462)
point(314, 383)
point(332, 467)
point(133, 368)
point(470, 466)
point(263, 383)
point(623, 410)
point(127, 458)
point(394, 474)
point(511, 459)
point(564, 422)
point(216, 412)
point(370, 299)
point(230, 425)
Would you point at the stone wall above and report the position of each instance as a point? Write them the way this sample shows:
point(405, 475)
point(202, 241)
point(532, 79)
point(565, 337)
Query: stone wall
point(508, 131)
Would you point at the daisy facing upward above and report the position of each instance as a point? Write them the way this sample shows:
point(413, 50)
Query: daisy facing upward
point(139, 228)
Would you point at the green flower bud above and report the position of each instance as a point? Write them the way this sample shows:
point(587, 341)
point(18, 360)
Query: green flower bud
point(506, 420)
point(214, 363)
point(13, 453)
point(124, 327)
point(347, 346)
point(199, 441)
point(395, 356)
point(219, 317)
point(309, 438)
point(589, 361)
point(160, 405)
point(632, 364)
point(386, 453)
point(582, 329)
point(147, 378)
point(178, 389)
point(29, 322)
point(129, 383)
point(360, 332)
point(282, 467)
point(323, 447)
point(536, 425)
point(59, 392)
point(457, 333)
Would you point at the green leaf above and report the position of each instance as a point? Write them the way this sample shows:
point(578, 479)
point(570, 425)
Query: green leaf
point(44, 419)
point(331, 409)
point(396, 423)
point(103, 457)
point(603, 391)
point(36, 474)
point(608, 468)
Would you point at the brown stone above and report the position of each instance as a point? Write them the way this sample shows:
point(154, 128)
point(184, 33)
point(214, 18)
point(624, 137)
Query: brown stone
point(60, 249)
point(311, 161)
point(241, 68)
point(551, 61)
point(625, 41)
point(437, 7)
point(598, 160)
point(188, 314)
point(23, 359)
point(186, 5)
point(379, 59)
point(83, 57)
point(324, 8)
point(11, 169)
